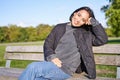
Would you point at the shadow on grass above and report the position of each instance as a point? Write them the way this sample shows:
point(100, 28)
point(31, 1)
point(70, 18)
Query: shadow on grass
point(116, 41)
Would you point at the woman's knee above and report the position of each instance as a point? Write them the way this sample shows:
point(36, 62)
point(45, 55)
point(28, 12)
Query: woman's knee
point(37, 65)
point(33, 65)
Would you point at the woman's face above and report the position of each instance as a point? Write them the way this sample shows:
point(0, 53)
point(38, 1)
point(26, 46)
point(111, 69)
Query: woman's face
point(79, 18)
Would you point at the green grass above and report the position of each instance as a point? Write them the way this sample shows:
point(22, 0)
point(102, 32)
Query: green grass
point(20, 63)
point(114, 40)
point(2, 51)
point(106, 71)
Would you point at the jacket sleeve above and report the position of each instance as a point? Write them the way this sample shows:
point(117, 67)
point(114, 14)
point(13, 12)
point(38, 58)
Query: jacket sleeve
point(99, 36)
point(49, 52)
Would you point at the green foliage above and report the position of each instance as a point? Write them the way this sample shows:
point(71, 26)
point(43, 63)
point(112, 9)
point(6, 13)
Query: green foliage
point(43, 31)
point(109, 32)
point(2, 51)
point(106, 71)
point(23, 34)
point(112, 13)
point(14, 33)
point(3, 33)
point(31, 32)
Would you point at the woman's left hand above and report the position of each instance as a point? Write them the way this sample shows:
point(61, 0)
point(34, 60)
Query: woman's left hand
point(88, 22)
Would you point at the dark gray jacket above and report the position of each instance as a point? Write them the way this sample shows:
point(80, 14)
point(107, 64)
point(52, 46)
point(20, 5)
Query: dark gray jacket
point(86, 37)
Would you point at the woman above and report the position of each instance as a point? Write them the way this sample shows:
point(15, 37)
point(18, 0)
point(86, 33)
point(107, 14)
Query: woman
point(68, 49)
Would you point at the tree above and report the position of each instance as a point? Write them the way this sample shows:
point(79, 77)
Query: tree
point(112, 13)
point(23, 34)
point(3, 33)
point(31, 32)
point(42, 31)
point(13, 33)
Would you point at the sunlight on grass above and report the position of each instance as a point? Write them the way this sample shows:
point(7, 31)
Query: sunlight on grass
point(106, 71)
point(114, 40)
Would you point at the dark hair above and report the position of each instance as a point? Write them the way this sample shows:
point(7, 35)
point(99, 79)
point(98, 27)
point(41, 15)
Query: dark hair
point(83, 8)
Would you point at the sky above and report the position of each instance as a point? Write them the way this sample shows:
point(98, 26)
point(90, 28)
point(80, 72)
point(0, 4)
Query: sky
point(34, 12)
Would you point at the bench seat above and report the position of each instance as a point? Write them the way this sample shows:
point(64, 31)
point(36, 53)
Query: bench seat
point(14, 73)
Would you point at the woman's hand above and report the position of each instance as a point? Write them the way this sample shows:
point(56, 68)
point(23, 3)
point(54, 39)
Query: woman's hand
point(57, 62)
point(88, 22)
point(92, 21)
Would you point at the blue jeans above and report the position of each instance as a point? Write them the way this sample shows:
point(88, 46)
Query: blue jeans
point(43, 71)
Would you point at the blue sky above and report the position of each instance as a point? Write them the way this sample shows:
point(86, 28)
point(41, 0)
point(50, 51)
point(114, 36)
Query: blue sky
point(52, 12)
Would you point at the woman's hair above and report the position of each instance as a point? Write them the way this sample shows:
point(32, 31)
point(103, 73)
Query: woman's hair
point(83, 8)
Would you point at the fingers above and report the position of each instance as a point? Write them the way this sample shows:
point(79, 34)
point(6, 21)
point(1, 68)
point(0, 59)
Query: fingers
point(88, 22)
point(57, 62)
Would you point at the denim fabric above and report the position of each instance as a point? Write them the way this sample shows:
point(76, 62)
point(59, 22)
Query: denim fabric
point(43, 71)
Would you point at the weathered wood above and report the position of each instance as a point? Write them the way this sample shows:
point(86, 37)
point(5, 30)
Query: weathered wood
point(13, 74)
point(83, 77)
point(109, 55)
point(8, 62)
point(24, 49)
point(108, 59)
point(10, 73)
point(8, 78)
point(107, 49)
point(98, 78)
point(99, 59)
point(118, 72)
point(24, 56)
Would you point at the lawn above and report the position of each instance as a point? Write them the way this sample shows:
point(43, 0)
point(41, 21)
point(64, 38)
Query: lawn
point(114, 40)
point(23, 64)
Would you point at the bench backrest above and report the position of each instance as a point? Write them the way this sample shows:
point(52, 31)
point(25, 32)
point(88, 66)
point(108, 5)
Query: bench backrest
point(24, 53)
point(108, 54)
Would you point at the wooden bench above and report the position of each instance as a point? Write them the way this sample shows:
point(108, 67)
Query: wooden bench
point(108, 54)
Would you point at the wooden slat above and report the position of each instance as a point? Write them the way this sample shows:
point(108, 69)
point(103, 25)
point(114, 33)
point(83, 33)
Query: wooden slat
point(34, 53)
point(105, 71)
point(24, 56)
point(84, 77)
point(24, 49)
point(11, 71)
point(108, 49)
point(108, 59)
point(21, 53)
